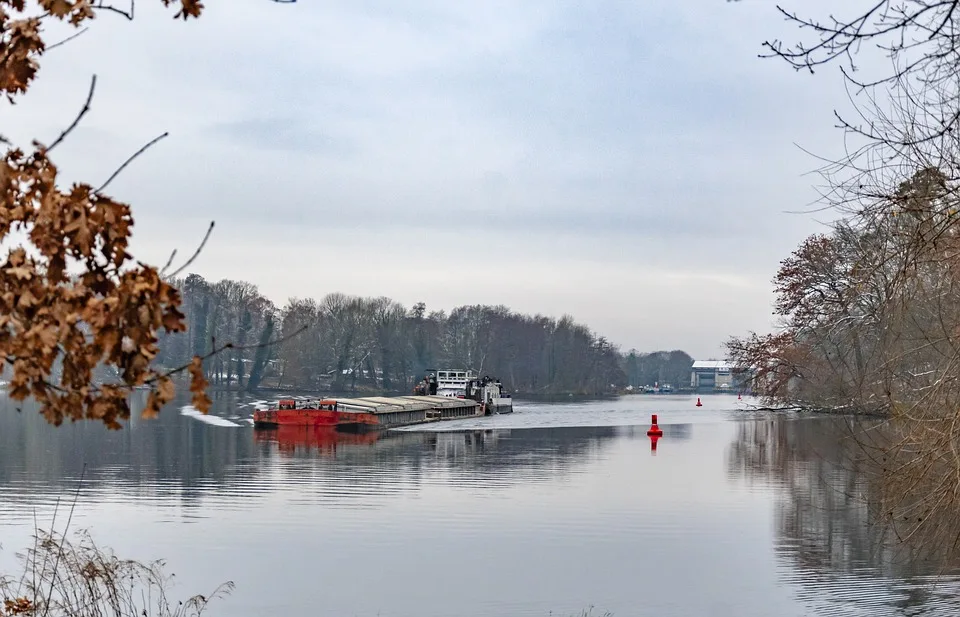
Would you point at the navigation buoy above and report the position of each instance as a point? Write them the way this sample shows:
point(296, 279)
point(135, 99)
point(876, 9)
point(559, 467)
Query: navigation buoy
point(699, 404)
point(739, 398)
point(654, 429)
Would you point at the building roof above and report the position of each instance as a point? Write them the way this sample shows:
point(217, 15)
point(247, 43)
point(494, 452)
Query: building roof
point(714, 364)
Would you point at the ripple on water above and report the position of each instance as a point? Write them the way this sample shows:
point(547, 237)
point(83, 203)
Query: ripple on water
point(553, 508)
point(869, 594)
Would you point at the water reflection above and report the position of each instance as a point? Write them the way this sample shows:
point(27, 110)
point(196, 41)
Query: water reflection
point(176, 460)
point(323, 440)
point(829, 541)
point(766, 515)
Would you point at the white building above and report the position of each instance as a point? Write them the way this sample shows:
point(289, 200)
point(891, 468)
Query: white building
point(711, 375)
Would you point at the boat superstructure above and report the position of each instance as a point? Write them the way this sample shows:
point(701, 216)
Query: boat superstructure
point(490, 394)
point(464, 384)
point(445, 382)
point(453, 382)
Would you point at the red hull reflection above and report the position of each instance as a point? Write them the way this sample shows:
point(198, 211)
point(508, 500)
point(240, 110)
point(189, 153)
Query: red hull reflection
point(326, 439)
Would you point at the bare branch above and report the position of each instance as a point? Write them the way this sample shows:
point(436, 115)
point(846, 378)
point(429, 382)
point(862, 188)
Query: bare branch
point(163, 270)
point(130, 160)
point(217, 350)
point(66, 40)
point(76, 120)
point(112, 9)
point(196, 253)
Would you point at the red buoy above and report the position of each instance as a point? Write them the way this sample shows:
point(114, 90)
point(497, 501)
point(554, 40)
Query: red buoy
point(739, 398)
point(699, 404)
point(654, 429)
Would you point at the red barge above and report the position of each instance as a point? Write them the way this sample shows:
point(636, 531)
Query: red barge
point(367, 413)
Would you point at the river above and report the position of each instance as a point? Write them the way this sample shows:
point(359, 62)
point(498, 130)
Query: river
point(557, 509)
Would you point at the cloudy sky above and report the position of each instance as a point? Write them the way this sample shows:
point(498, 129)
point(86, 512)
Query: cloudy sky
point(635, 165)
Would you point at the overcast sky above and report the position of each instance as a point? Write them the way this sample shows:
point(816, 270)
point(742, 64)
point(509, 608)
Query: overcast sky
point(631, 164)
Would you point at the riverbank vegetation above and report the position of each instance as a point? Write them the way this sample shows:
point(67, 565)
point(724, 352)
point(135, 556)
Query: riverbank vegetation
point(870, 318)
point(78, 578)
point(870, 309)
point(347, 343)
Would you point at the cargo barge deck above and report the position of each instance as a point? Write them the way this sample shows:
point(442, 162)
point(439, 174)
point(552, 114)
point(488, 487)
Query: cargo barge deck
point(366, 413)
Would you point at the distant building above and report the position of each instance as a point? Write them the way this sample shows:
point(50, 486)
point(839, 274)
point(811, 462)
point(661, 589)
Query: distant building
point(712, 375)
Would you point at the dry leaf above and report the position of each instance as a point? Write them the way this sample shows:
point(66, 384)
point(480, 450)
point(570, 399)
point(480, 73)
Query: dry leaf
point(165, 389)
point(198, 385)
point(57, 8)
point(110, 312)
point(152, 408)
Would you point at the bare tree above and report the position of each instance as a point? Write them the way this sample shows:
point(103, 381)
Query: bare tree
point(871, 312)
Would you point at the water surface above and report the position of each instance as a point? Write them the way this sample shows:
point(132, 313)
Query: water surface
point(548, 511)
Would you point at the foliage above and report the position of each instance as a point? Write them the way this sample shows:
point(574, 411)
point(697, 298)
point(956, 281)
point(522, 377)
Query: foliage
point(72, 298)
point(662, 367)
point(378, 344)
point(80, 579)
point(867, 310)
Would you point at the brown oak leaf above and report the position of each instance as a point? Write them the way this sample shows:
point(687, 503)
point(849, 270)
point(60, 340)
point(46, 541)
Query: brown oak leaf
point(198, 385)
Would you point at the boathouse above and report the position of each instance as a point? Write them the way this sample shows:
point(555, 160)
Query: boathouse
point(712, 375)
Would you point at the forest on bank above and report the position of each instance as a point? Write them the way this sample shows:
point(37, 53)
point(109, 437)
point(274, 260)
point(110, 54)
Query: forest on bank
point(870, 308)
point(345, 343)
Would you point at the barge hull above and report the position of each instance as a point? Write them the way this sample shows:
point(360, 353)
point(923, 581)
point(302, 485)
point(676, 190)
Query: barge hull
point(310, 417)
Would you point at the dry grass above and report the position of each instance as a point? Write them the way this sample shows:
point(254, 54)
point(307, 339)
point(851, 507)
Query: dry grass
point(63, 578)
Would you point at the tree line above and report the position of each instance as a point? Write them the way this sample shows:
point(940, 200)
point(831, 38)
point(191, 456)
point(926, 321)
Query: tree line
point(346, 343)
point(658, 368)
point(870, 310)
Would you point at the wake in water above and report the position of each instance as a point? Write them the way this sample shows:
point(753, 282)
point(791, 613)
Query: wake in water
point(193, 412)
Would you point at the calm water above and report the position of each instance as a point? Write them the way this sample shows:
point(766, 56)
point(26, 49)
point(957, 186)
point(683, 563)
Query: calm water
point(550, 511)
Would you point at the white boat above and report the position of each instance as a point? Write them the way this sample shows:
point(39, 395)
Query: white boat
point(489, 393)
point(464, 383)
